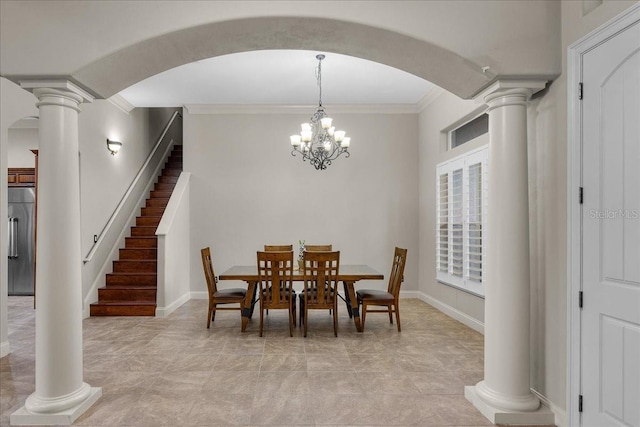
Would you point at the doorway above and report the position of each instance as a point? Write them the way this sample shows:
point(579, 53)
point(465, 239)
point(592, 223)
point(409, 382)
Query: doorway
point(604, 224)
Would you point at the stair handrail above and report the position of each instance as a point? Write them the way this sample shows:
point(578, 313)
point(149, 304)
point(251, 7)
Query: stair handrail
point(112, 218)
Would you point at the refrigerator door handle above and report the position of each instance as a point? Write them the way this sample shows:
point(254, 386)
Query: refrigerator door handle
point(13, 238)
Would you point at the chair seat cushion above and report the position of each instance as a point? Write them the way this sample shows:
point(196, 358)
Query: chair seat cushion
point(374, 294)
point(230, 293)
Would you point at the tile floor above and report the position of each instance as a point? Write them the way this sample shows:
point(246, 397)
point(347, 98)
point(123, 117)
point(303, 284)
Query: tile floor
point(175, 372)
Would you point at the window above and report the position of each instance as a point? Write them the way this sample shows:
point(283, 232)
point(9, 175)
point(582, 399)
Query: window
point(461, 218)
point(470, 130)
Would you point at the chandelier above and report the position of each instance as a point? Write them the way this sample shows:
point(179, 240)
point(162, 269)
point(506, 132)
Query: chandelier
point(319, 141)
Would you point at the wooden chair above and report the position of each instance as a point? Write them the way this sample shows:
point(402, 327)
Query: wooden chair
point(275, 271)
point(282, 248)
point(313, 248)
point(390, 298)
point(222, 296)
point(321, 271)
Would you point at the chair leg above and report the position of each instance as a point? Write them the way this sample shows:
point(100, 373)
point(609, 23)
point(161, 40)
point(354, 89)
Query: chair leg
point(397, 310)
point(291, 317)
point(364, 313)
point(306, 319)
point(209, 312)
point(293, 302)
point(335, 319)
point(261, 318)
point(390, 314)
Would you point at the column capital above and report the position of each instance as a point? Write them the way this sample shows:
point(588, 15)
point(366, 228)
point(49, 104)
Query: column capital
point(63, 93)
point(509, 92)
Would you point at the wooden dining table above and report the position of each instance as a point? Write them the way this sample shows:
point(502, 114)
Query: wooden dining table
point(349, 275)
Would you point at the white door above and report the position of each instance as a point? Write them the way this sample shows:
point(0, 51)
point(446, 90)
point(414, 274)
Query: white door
point(610, 332)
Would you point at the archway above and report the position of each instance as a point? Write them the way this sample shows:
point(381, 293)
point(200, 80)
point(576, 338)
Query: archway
point(119, 70)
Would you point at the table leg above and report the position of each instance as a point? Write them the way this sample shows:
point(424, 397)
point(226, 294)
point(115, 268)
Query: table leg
point(350, 293)
point(247, 310)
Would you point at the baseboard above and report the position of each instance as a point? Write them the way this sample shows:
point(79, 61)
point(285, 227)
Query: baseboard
point(165, 311)
point(410, 294)
point(5, 349)
point(560, 415)
point(461, 317)
point(199, 295)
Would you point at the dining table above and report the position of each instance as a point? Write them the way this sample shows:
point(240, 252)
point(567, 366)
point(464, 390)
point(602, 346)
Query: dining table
point(349, 274)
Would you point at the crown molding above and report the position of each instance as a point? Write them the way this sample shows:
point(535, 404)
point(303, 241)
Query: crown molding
point(120, 102)
point(429, 97)
point(300, 109)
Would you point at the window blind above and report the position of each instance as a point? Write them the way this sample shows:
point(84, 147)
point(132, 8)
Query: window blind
point(461, 220)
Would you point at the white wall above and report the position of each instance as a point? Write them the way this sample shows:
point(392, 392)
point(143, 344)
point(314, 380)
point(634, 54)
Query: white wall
point(247, 190)
point(21, 141)
point(15, 104)
point(174, 253)
point(446, 112)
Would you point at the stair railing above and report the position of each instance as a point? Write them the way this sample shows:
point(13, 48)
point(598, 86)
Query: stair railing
point(134, 183)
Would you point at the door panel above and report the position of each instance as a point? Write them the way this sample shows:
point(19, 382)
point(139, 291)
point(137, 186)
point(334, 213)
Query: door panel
point(610, 332)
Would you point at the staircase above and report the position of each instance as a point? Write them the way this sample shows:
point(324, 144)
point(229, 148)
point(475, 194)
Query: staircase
point(131, 289)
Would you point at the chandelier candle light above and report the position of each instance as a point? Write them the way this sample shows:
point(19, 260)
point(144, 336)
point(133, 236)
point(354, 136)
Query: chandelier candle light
point(319, 141)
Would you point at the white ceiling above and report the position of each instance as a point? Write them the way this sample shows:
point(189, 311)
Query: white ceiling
point(278, 77)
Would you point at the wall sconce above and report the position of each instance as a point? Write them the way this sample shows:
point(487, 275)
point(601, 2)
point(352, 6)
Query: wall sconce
point(113, 146)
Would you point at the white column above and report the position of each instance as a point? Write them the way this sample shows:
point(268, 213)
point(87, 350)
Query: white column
point(504, 396)
point(60, 396)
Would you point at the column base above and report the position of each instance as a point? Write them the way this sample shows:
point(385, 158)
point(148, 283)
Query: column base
point(23, 417)
point(540, 416)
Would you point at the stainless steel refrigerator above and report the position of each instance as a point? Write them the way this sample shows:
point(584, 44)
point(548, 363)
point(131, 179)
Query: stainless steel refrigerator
point(21, 244)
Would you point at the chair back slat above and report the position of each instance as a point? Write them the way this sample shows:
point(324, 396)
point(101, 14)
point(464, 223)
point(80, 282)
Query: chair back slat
point(321, 271)
point(278, 248)
point(209, 274)
point(275, 271)
point(318, 248)
point(397, 271)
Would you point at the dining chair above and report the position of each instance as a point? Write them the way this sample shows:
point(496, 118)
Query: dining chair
point(391, 297)
point(275, 272)
point(219, 296)
point(282, 248)
point(320, 271)
point(313, 248)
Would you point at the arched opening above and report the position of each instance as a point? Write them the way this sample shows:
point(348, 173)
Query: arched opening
point(119, 70)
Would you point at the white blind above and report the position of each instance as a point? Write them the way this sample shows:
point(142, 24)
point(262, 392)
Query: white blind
point(473, 232)
point(461, 219)
point(442, 233)
point(457, 232)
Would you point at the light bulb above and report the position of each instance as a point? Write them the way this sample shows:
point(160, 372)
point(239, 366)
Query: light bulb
point(326, 122)
point(339, 135)
point(295, 140)
point(345, 142)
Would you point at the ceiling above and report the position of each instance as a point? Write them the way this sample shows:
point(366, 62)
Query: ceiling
point(278, 77)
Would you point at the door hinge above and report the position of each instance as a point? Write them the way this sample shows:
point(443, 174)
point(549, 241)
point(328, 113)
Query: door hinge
point(581, 195)
point(580, 91)
point(580, 299)
point(580, 403)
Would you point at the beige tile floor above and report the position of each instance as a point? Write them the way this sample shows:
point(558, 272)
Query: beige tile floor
point(175, 372)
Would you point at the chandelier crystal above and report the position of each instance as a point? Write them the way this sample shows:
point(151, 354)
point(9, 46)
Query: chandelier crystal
point(319, 141)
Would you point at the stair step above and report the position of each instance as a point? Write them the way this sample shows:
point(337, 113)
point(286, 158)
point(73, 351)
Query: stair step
point(157, 202)
point(137, 253)
point(148, 220)
point(127, 293)
point(173, 164)
point(141, 242)
point(171, 171)
point(135, 266)
point(160, 194)
point(139, 231)
point(152, 211)
point(164, 186)
point(168, 179)
point(124, 308)
point(132, 279)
